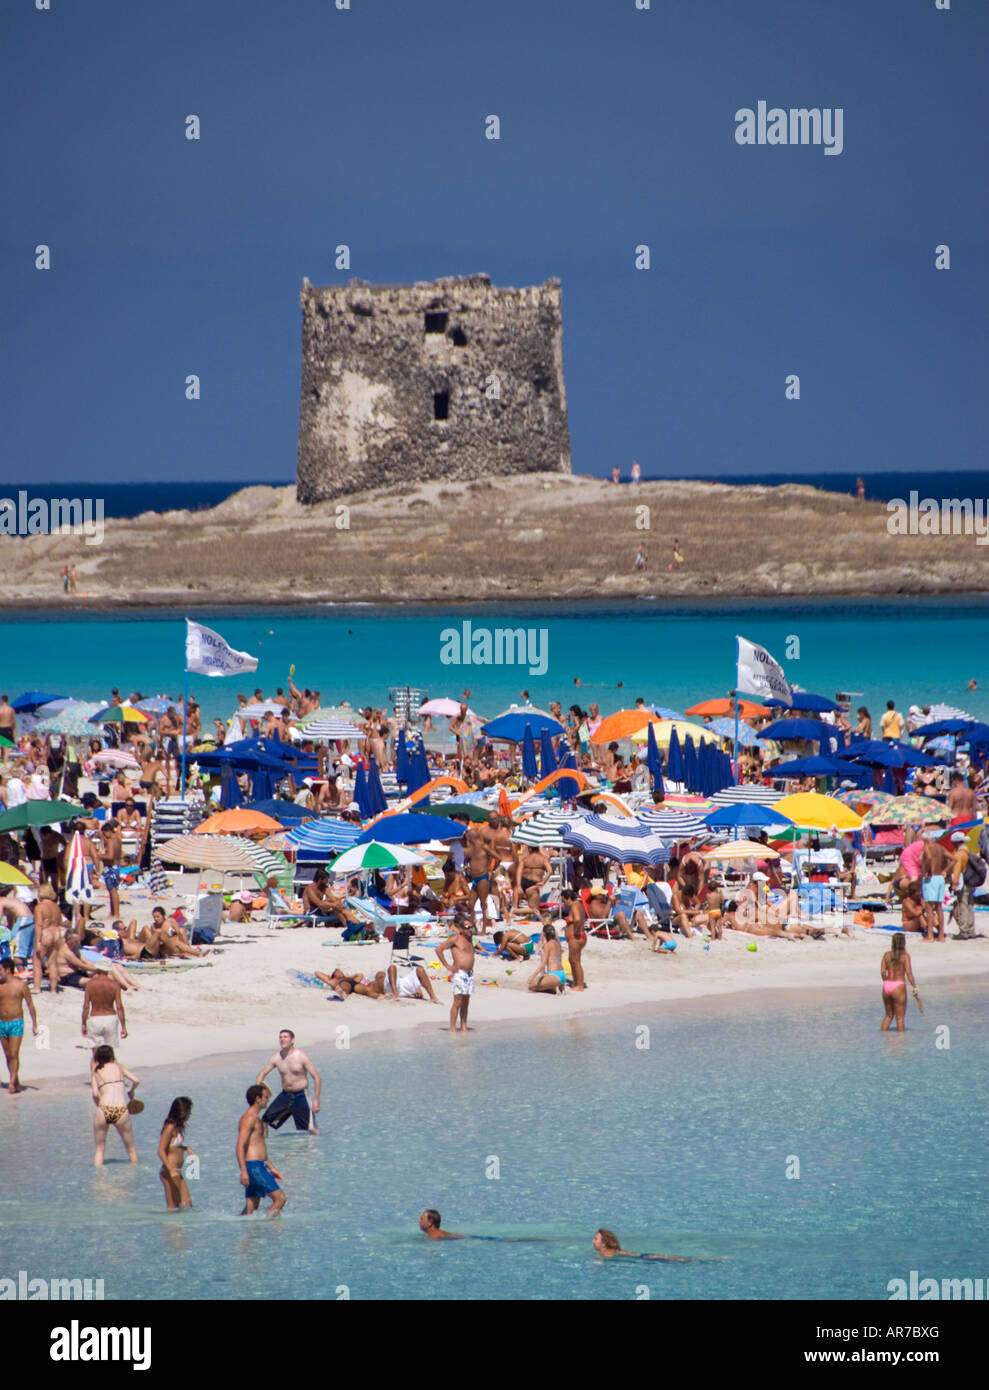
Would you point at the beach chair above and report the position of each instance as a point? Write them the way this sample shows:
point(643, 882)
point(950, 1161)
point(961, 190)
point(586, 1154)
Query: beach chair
point(279, 912)
point(370, 910)
point(401, 951)
point(207, 918)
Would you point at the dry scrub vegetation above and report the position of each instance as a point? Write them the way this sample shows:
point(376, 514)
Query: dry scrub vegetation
point(538, 536)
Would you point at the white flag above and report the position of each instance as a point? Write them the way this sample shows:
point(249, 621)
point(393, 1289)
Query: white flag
point(208, 654)
point(759, 674)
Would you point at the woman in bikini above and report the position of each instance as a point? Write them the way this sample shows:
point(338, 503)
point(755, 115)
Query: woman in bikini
point(172, 1150)
point(896, 971)
point(576, 934)
point(111, 1098)
point(550, 977)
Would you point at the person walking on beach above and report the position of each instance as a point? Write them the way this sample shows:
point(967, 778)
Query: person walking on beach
point(111, 853)
point(102, 1007)
point(461, 948)
point(258, 1175)
point(895, 970)
point(295, 1068)
point(112, 1100)
point(430, 1222)
point(14, 994)
point(172, 1150)
point(967, 872)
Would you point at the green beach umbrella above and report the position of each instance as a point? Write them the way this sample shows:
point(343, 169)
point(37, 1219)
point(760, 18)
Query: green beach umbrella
point(373, 855)
point(39, 813)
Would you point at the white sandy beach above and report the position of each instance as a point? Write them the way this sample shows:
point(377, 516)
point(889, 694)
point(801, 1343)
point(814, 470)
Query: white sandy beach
point(238, 999)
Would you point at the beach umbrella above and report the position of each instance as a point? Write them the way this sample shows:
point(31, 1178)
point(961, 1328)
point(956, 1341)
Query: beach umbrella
point(330, 729)
point(942, 726)
point(627, 841)
point(78, 883)
point(231, 795)
point(654, 761)
point(259, 708)
point(287, 813)
point(317, 839)
point(419, 773)
point(940, 711)
point(740, 849)
point(73, 721)
point(116, 757)
point(812, 811)
point(747, 709)
point(238, 822)
point(373, 854)
point(672, 825)
point(747, 813)
point(39, 813)
point(510, 726)
point(30, 700)
point(530, 767)
point(805, 700)
point(662, 712)
point(879, 753)
point(409, 829)
point(674, 758)
point(907, 810)
point(764, 796)
point(725, 728)
point(545, 828)
point(791, 730)
point(119, 714)
point(155, 704)
point(12, 877)
point(690, 779)
point(567, 788)
point(815, 766)
point(663, 729)
point(361, 793)
point(547, 754)
point(474, 813)
point(226, 854)
point(623, 724)
point(375, 791)
point(401, 757)
point(445, 708)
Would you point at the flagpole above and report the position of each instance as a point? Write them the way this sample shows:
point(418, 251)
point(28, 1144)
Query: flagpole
point(185, 725)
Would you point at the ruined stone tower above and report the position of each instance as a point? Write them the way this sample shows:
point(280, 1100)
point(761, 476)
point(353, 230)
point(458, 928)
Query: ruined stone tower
point(450, 378)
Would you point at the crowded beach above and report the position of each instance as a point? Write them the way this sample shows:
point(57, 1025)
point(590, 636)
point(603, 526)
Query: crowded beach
point(159, 876)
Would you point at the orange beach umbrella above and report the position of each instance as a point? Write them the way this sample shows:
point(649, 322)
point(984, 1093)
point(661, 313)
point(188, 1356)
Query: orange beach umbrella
point(238, 822)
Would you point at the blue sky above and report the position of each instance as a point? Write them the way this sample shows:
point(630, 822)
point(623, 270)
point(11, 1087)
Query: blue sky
point(366, 127)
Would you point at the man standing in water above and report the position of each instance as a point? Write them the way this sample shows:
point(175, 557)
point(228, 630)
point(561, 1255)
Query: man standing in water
point(295, 1069)
point(14, 994)
point(257, 1174)
point(461, 947)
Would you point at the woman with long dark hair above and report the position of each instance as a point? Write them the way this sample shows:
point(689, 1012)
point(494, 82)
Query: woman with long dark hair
point(172, 1150)
point(896, 971)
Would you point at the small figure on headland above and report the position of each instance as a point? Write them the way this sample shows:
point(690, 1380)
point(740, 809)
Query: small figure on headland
point(860, 489)
point(640, 559)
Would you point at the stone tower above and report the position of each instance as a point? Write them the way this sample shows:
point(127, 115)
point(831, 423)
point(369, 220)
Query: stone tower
point(450, 378)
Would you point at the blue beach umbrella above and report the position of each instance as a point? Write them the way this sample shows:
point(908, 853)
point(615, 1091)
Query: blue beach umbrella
point(789, 730)
point(31, 700)
point(627, 841)
point(547, 754)
point(361, 795)
point(653, 761)
point(815, 766)
point(288, 812)
point(674, 758)
point(568, 787)
point(230, 793)
point(880, 753)
point(744, 813)
point(662, 712)
point(804, 700)
point(530, 767)
point(409, 829)
point(418, 769)
point(401, 758)
point(510, 727)
point(376, 792)
point(690, 770)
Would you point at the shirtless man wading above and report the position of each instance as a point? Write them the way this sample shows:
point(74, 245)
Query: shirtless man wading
point(257, 1173)
point(295, 1069)
point(478, 863)
point(14, 994)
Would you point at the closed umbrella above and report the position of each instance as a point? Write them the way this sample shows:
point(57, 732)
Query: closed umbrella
point(361, 793)
point(78, 883)
point(653, 760)
point(690, 777)
point(530, 768)
point(401, 757)
point(376, 792)
point(547, 754)
point(674, 758)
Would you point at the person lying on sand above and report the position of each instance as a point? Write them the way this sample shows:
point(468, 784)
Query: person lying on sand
point(386, 984)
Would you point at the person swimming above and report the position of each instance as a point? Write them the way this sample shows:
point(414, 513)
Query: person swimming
point(607, 1245)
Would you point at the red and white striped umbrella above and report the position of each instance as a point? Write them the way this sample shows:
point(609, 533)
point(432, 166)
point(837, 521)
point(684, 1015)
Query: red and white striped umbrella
point(78, 883)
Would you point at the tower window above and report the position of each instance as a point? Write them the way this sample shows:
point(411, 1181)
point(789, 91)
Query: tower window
point(459, 337)
point(436, 323)
point(441, 405)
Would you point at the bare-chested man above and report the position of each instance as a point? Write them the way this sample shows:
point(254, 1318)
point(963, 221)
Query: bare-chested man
point(513, 945)
point(429, 1224)
point(257, 1173)
point(295, 1068)
point(461, 948)
point(14, 994)
point(415, 984)
point(534, 868)
point(961, 799)
point(479, 860)
point(102, 1007)
point(111, 852)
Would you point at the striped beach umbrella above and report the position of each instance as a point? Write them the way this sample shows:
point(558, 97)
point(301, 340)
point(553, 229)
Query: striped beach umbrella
point(225, 853)
point(624, 840)
point(672, 825)
point(763, 796)
point(545, 829)
point(78, 883)
point(321, 838)
point(373, 855)
point(329, 728)
point(739, 849)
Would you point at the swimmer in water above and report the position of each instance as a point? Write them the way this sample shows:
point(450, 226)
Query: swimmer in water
point(607, 1244)
point(429, 1224)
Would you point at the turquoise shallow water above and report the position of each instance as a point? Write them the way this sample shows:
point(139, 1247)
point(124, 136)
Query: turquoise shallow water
point(914, 651)
point(682, 1148)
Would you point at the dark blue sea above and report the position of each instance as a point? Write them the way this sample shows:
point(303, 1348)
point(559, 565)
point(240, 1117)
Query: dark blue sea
point(130, 499)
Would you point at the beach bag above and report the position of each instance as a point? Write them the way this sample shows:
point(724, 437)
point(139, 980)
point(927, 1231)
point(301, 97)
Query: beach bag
point(864, 918)
point(975, 871)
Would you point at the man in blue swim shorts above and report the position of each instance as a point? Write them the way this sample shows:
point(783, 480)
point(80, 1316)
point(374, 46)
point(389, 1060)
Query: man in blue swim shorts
point(257, 1174)
point(14, 994)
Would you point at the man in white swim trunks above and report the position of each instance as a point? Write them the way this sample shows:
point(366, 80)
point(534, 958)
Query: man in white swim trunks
point(384, 985)
point(461, 948)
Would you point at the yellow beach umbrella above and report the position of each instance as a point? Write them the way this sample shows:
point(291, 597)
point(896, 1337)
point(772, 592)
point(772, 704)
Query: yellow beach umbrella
point(813, 811)
point(663, 728)
point(12, 876)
